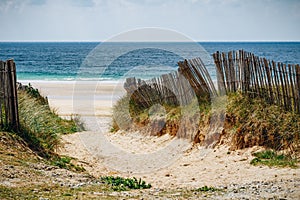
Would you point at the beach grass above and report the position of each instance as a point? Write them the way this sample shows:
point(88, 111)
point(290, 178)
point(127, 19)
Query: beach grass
point(40, 126)
point(248, 121)
point(127, 112)
point(257, 123)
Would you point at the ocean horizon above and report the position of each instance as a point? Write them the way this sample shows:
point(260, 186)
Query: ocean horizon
point(73, 61)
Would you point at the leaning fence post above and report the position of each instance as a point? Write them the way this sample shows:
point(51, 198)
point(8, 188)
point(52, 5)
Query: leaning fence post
point(8, 96)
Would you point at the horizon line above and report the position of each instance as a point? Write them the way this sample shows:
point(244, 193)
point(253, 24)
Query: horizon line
point(66, 41)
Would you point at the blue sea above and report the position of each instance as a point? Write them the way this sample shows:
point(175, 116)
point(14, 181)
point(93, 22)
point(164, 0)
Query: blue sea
point(63, 61)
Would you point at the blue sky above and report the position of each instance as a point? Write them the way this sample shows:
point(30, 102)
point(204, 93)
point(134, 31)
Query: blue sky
point(99, 20)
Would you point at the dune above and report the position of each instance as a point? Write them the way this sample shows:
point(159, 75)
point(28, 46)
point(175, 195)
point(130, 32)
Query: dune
point(129, 153)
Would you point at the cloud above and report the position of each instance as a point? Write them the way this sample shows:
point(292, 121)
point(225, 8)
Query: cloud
point(37, 2)
point(83, 3)
point(100, 19)
point(12, 5)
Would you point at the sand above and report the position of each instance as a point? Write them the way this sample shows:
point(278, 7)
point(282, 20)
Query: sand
point(195, 167)
point(87, 98)
point(165, 162)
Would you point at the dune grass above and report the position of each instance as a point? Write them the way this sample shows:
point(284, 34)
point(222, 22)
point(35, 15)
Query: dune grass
point(126, 112)
point(257, 123)
point(248, 122)
point(41, 126)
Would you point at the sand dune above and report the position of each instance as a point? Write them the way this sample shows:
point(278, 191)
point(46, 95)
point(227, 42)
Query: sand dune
point(130, 154)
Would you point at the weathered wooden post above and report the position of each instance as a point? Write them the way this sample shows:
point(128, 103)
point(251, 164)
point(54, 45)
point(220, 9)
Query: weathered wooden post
point(8, 96)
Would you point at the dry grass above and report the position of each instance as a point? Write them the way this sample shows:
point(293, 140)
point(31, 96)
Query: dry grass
point(256, 123)
point(249, 122)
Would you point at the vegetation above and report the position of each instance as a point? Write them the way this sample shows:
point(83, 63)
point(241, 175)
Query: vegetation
point(55, 191)
point(273, 159)
point(126, 113)
point(256, 123)
point(207, 189)
point(249, 121)
point(65, 162)
point(40, 126)
point(121, 184)
point(24, 175)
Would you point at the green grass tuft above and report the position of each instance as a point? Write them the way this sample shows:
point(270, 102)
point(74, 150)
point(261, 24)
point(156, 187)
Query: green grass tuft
point(272, 159)
point(207, 189)
point(65, 163)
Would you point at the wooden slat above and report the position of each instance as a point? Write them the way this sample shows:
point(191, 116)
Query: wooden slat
point(277, 83)
point(2, 87)
point(298, 84)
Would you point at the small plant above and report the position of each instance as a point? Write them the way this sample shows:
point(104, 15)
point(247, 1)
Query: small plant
point(207, 189)
point(65, 163)
point(121, 184)
point(272, 159)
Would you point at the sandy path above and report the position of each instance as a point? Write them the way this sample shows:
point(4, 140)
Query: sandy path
point(164, 162)
point(195, 167)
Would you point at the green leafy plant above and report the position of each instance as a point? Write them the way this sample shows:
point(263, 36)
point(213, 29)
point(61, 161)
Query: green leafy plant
point(121, 184)
point(65, 163)
point(272, 159)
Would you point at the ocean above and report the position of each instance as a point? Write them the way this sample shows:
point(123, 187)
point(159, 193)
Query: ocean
point(67, 61)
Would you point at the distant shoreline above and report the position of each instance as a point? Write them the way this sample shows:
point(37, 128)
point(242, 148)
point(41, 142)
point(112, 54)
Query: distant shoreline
point(241, 41)
point(72, 81)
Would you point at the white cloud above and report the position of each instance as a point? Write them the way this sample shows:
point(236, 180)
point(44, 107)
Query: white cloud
point(100, 19)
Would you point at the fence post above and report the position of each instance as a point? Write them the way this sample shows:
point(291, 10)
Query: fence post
point(2, 103)
point(8, 96)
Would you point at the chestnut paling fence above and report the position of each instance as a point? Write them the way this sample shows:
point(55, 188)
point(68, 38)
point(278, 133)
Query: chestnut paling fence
point(176, 88)
point(9, 118)
point(276, 82)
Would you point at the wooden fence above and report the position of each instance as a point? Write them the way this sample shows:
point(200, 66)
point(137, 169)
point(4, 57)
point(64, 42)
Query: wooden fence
point(177, 88)
point(196, 73)
point(278, 83)
point(8, 96)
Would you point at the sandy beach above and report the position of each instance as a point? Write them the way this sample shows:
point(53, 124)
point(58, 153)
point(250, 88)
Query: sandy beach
point(85, 98)
point(192, 167)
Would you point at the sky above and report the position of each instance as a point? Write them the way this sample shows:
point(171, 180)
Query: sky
point(100, 20)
